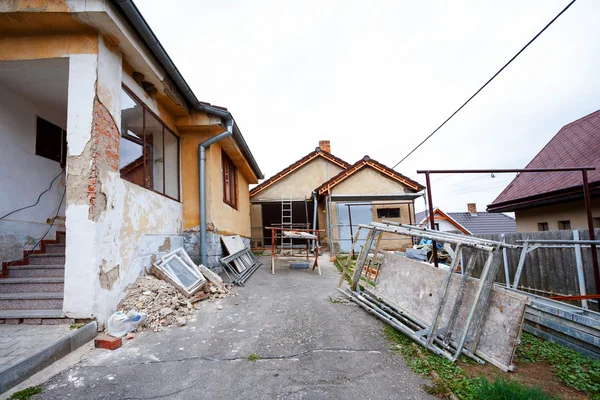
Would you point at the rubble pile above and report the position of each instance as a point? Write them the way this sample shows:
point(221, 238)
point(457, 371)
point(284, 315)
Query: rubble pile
point(164, 304)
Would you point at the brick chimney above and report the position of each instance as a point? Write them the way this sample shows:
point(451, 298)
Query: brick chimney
point(472, 207)
point(325, 145)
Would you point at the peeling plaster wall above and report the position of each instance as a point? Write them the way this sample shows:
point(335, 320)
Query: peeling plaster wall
point(108, 219)
point(25, 175)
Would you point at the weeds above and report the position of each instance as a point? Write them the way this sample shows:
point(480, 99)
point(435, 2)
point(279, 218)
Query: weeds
point(502, 389)
point(26, 394)
point(253, 357)
point(575, 370)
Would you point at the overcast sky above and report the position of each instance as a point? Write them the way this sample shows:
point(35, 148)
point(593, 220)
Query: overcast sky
point(376, 77)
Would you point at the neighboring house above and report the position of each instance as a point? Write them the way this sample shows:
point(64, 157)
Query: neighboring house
point(345, 196)
point(472, 222)
point(554, 200)
point(86, 84)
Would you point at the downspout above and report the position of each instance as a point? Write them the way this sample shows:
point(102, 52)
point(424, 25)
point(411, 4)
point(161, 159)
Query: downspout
point(202, 183)
point(314, 225)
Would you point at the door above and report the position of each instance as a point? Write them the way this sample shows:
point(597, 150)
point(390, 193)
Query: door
point(350, 216)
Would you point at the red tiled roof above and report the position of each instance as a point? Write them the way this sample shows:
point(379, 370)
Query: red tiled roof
point(575, 145)
point(291, 168)
point(367, 161)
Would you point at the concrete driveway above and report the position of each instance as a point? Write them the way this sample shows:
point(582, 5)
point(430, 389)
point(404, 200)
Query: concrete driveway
point(307, 347)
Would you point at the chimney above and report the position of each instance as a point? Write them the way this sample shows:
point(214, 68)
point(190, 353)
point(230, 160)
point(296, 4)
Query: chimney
point(325, 145)
point(472, 207)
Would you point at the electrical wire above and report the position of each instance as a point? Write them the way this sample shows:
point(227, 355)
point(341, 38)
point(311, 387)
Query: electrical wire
point(49, 228)
point(488, 82)
point(38, 199)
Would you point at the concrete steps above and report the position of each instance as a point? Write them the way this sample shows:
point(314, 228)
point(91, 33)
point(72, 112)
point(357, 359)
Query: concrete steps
point(33, 291)
point(31, 301)
point(34, 317)
point(55, 248)
point(36, 271)
point(46, 259)
point(30, 285)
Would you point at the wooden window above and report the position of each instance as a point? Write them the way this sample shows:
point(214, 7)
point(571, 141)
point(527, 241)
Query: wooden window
point(148, 151)
point(542, 226)
point(50, 141)
point(229, 181)
point(383, 213)
point(564, 225)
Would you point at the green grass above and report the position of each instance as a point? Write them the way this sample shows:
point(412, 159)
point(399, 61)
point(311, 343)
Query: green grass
point(454, 378)
point(502, 389)
point(575, 370)
point(26, 394)
point(253, 357)
point(340, 262)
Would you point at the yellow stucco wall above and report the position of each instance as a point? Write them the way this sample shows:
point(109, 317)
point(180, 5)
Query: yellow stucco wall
point(369, 181)
point(301, 182)
point(527, 220)
point(226, 219)
point(52, 45)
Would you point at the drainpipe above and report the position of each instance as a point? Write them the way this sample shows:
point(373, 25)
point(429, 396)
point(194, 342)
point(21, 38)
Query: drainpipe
point(315, 208)
point(202, 184)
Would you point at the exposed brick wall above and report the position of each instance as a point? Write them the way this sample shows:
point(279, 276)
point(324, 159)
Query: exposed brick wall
point(105, 155)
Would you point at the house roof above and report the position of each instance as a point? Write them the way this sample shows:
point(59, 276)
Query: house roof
point(480, 224)
point(366, 161)
point(132, 15)
point(576, 144)
point(296, 165)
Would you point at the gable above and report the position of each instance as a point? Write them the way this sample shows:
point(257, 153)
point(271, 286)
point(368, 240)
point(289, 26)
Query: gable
point(369, 181)
point(301, 182)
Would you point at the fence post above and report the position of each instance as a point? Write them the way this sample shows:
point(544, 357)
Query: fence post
point(505, 260)
point(580, 274)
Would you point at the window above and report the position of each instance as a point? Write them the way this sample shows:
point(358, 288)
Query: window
point(596, 222)
point(149, 151)
point(229, 181)
point(383, 213)
point(50, 141)
point(542, 226)
point(564, 225)
point(436, 226)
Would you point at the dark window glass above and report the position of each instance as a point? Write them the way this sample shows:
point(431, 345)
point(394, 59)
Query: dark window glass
point(149, 152)
point(388, 213)
point(542, 226)
point(229, 181)
point(50, 141)
point(564, 225)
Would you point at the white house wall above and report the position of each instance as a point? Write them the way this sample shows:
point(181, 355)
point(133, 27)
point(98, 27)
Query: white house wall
point(25, 175)
point(107, 217)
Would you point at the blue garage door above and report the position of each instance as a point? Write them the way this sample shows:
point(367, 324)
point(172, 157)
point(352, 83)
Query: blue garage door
point(361, 214)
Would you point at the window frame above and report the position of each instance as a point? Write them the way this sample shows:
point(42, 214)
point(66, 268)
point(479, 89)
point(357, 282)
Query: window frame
point(126, 136)
point(385, 209)
point(227, 164)
point(63, 142)
point(561, 225)
point(543, 225)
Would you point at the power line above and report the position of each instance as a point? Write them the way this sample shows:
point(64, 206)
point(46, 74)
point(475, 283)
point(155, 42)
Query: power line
point(481, 88)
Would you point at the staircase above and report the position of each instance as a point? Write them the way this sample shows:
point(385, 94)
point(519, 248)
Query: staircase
point(32, 289)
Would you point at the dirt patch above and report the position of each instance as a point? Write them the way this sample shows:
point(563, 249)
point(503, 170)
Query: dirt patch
point(539, 374)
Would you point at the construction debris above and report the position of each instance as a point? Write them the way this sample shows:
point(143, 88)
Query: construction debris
point(164, 305)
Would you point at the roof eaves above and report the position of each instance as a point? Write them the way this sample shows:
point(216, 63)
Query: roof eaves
point(296, 165)
point(132, 15)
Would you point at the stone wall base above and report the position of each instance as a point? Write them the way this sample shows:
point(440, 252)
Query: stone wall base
point(214, 247)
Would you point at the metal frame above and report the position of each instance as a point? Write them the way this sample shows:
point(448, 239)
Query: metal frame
point(251, 264)
point(449, 341)
point(586, 195)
